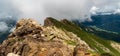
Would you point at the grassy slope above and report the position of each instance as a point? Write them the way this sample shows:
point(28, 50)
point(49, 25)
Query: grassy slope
point(89, 38)
point(106, 34)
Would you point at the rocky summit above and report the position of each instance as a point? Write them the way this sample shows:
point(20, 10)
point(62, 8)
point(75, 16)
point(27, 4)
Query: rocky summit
point(32, 39)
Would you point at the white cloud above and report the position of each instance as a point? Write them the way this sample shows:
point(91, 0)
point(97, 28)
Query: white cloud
point(107, 5)
point(102, 3)
point(94, 9)
point(12, 29)
point(3, 27)
point(70, 9)
point(40, 9)
point(117, 11)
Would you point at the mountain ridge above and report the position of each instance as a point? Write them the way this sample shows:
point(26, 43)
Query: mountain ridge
point(83, 35)
point(31, 39)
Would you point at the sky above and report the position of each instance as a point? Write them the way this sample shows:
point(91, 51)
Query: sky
point(59, 9)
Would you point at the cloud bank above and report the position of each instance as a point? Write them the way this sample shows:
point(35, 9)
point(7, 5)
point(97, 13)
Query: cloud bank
point(3, 27)
point(111, 6)
point(69, 9)
point(40, 9)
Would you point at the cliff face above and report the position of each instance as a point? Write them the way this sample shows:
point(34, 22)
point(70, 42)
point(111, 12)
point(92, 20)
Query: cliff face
point(31, 39)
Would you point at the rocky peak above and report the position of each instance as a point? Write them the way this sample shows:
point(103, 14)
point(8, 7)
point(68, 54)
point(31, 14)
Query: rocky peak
point(26, 26)
point(27, 22)
point(31, 39)
point(48, 22)
point(64, 20)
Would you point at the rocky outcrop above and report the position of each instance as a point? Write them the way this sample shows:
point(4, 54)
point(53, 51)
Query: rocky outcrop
point(47, 21)
point(31, 39)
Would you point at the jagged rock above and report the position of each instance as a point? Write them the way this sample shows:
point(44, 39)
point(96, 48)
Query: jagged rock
point(31, 39)
point(25, 27)
point(81, 50)
point(48, 22)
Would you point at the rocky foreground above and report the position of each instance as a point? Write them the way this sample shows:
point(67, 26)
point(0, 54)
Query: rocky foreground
point(31, 39)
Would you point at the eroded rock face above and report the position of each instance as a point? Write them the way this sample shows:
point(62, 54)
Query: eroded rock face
point(26, 26)
point(31, 39)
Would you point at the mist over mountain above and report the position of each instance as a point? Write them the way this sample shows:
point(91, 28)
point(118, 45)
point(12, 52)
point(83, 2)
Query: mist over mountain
point(69, 9)
point(6, 26)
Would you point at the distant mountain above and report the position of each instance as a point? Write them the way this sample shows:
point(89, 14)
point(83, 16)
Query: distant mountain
point(110, 22)
point(108, 35)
